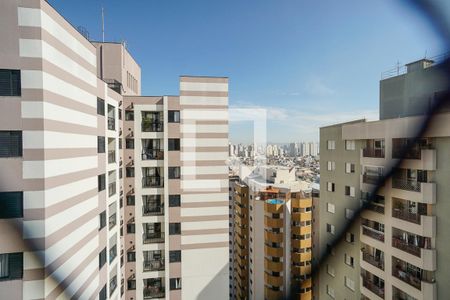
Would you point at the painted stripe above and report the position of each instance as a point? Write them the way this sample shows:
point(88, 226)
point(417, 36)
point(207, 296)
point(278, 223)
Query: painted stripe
point(87, 292)
point(205, 204)
point(57, 167)
point(35, 79)
point(32, 260)
point(41, 49)
point(206, 231)
point(204, 211)
point(202, 170)
point(205, 246)
point(188, 156)
point(33, 17)
point(198, 128)
point(57, 140)
point(50, 111)
point(205, 224)
point(205, 185)
point(204, 114)
point(33, 289)
point(207, 238)
point(198, 198)
point(203, 86)
point(197, 142)
point(73, 287)
point(203, 100)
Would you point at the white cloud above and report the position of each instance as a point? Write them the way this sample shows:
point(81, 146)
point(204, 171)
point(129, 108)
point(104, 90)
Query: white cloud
point(317, 87)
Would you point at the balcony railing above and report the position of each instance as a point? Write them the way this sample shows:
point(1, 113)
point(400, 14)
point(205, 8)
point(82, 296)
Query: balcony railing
point(368, 284)
point(152, 126)
point(112, 221)
point(148, 238)
point(371, 179)
point(403, 275)
point(373, 233)
point(406, 215)
point(405, 246)
point(148, 154)
point(407, 185)
point(154, 265)
point(152, 181)
point(111, 157)
point(373, 206)
point(373, 260)
point(111, 123)
point(372, 152)
point(151, 292)
point(153, 210)
point(111, 189)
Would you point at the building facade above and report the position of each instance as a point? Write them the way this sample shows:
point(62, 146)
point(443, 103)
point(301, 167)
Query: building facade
point(397, 248)
point(104, 193)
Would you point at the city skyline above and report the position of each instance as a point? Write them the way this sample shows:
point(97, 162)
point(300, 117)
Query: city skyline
point(266, 54)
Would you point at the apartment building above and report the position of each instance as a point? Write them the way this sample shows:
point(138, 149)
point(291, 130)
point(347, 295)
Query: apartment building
point(272, 237)
point(92, 203)
point(398, 247)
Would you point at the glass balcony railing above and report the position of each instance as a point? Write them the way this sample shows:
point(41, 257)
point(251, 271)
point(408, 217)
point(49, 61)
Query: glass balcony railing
point(154, 265)
point(373, 152)
point(401, 244)
point(152, 292)
point(373, 287)
point(371, 179)
point(152, 126)
point(373, 233)
point(407, 185)
point(153, 210)
point(157, 237)
point(111, 156)
point(111, 123)
point(406, 215)
point(152, 181)
point(150, 154)
point(373, 260)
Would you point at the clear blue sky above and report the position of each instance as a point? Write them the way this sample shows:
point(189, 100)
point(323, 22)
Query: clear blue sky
point(310, 63)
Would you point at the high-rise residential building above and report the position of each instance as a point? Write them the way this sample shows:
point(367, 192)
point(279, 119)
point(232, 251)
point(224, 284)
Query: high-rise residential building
point(271, 236)
point(399, 246)
point(93, 204)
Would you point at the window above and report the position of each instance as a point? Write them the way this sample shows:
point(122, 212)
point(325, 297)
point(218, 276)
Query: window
point(129, 115)
point(331, 165)
point(174, 144)
point(129, 171)
point(102, 217)
point(331, 271)
point(349, 168)
point(175, 256)
point(350, 237)
point(350, 145)
point(102, 258)
point(330, 186)
point(102, 295)
point(330, 228)
point(100, 144)
point(129, 143)
point(11, 205)
point(175, 283)
point(11, 266)
point(131, 284)
point(10, 143)
point(120, 114)
point(101, 182)
point(174, 172)
point(100, 107)
point(349, 283)
point(174, 228)
point(131, 256)
point(331, 208)
point(349, 260)
point(330, 291)
point(131, 228)
point(349, 213)
point(130, 200)
point(10, 83)
point(350, 191)
point(174, 116)
point(174, 200)
point(331, 145)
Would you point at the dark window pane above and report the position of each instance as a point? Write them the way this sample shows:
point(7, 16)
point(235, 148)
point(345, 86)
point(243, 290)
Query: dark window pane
point(174, 200)
point(129, 172)
point(101, 182)
point(174, 172)
point(11, 205)
point(102, 217)
point(10, 143)
point(102, 295)
point(130, 200)
point(175, 256)
point(174, 144)
point(129, 115)
point(101, 144)
point(11, 266)
point(131, 228)
point(129, 143)
point(131, 256)
point(174, 228)
point(102, 258)
point(10, 84)
point(175, 283)
point(100, 106)
point(174, 116)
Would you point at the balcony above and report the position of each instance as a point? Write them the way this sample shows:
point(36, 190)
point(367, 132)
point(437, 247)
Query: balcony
point(276, 237)
point(152, 126)
point(111, 189)
point(149, 238)
point(373, 287)
point(372, 179)
point(406, 215)
point(374, 206)
point(375, 234)
point(273, 280)
point(407, 185)
point(153, 210)
point(273, 265)
point(112, 220)
point(152, 182)
point(152, 154)
point(373, 152)
point(273, 222)
point(154, 265)
point(405, 246)
point(111, 156)
point(273, 293)
point(114, 85)
point(152, 292)
point(376, 261)
point(111, 123)
point(274, 251)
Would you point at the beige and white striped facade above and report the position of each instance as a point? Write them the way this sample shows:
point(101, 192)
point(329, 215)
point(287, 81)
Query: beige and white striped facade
point(59, 234)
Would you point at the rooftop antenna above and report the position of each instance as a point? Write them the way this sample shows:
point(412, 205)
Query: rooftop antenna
point(398, 68)
point(103, 24)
